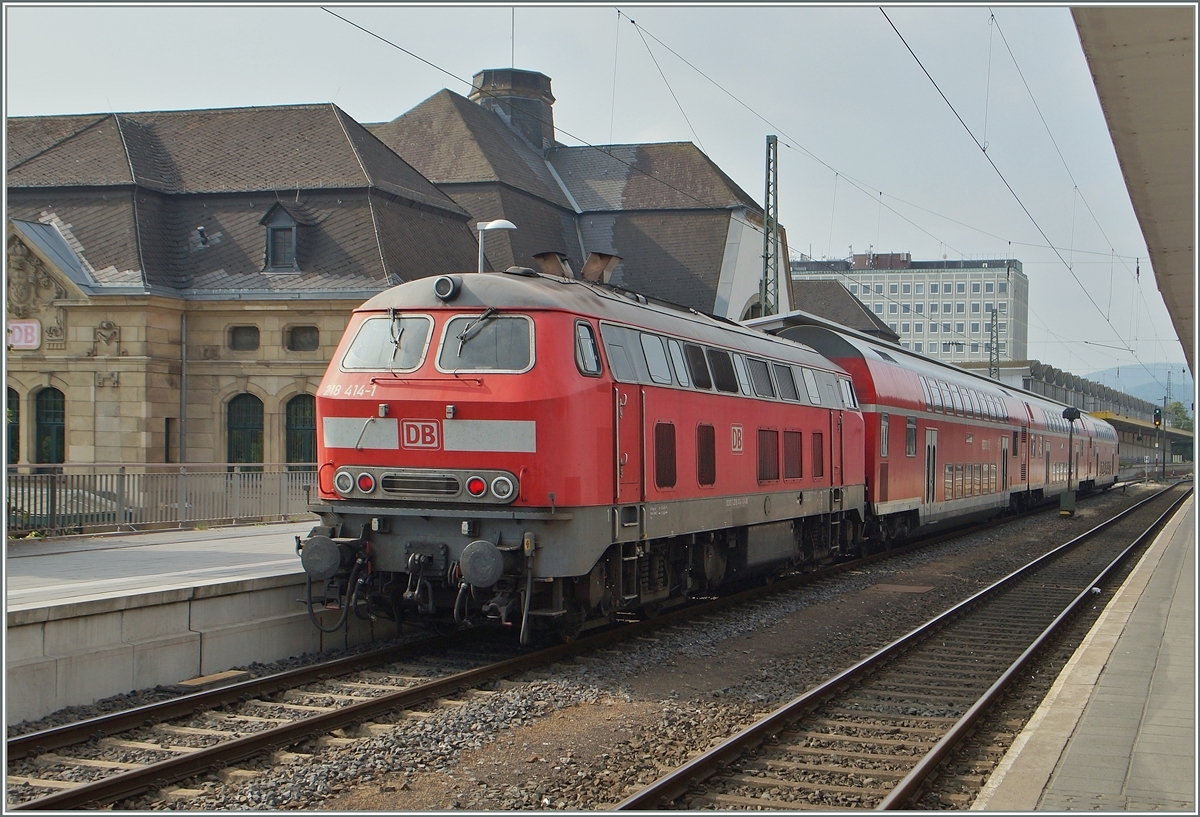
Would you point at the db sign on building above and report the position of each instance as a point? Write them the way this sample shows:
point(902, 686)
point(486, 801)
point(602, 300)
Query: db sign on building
point(24, 334)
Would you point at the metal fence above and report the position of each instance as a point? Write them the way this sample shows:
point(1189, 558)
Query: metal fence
point(64, 499)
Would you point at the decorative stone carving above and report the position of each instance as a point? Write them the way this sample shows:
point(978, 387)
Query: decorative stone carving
point(32, 291)
point(107, 340)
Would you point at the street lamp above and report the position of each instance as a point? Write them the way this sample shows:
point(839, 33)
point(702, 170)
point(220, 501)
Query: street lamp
point(483, 226)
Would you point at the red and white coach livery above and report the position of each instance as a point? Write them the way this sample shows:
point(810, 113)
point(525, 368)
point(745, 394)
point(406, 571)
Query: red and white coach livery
point(541, 450)
point(942, 443)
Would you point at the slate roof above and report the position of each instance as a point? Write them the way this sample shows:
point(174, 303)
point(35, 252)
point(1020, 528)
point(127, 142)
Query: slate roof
point(128, 191)
point(660, 176)
point(832, 301)
point(451, 140)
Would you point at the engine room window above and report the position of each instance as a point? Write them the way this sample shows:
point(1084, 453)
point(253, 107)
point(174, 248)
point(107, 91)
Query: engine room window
point(664, 455)
point(723, 374)
point(706, 454)
point(787, 384)
point(303, 338)
point(696, 366)
point(587, 357)
point(739, 363)
point(656, 359)
point(681, 370)
point(243, 338)
point(761, 378)
point(487, 342)
point(810, 386)
point(395, 343)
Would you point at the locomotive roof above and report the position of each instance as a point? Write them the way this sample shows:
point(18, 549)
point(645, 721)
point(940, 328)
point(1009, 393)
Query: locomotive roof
point(534, 291)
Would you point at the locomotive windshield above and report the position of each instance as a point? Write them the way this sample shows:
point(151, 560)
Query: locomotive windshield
point(392, 343)
point(497, 343)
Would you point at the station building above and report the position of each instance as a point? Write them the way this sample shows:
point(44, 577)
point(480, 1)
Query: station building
point(177, 281)
point(943, 309)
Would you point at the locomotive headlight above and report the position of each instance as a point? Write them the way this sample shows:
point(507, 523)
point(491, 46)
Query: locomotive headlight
point(503, 488)
point(344, 482)
point(366, 483)
point(476, 486)
point(446, 287)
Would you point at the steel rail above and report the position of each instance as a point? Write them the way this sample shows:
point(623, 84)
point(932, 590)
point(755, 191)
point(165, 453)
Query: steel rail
point(672, 785)
point(157, 775)
point(907, 788)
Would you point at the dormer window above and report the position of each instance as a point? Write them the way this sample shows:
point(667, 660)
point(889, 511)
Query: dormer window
point(281, 248)
point(284, 223)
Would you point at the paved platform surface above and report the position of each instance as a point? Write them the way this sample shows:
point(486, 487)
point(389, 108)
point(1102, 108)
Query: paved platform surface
point(1117, 732)
point(48, 572)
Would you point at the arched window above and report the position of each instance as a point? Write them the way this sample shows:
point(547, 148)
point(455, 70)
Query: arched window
point(12, 404)
point(50, 425)
point(244, 424)
point(301, 443)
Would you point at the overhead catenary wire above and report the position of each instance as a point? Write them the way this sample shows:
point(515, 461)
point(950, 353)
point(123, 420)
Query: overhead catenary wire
point(1008, 186)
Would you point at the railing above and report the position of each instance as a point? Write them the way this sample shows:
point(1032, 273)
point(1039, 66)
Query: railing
point(64, 499)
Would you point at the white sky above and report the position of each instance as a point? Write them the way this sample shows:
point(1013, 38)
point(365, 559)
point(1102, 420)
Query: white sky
point(835, 83)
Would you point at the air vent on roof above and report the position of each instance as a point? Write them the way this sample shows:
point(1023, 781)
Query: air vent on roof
point(526, 271)
point(885, 356)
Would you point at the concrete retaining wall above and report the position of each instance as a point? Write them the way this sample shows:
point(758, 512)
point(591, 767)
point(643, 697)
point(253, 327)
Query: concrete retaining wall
point(76, 654)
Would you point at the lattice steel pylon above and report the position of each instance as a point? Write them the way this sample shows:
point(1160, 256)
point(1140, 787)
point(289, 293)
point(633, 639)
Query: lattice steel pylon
point(768, 290)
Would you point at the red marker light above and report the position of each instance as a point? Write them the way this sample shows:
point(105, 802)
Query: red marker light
point(366, 483)
point(476, 486)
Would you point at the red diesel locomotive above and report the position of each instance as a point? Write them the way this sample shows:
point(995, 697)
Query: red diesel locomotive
point(549, 452)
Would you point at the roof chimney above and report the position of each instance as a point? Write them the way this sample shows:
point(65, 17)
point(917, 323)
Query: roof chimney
point(523, 100)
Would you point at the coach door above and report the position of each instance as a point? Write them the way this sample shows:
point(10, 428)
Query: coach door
point(931, 471)
point(1004, 463)
point(627, 414)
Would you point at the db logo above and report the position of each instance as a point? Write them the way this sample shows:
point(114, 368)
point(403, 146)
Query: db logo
point(735, 438)
point(420, 433)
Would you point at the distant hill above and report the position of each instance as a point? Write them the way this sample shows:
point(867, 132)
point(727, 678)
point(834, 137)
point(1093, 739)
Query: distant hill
point(1149, 382)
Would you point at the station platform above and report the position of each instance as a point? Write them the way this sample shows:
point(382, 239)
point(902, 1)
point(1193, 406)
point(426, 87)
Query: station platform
point(93, 616)
point(1117, 731)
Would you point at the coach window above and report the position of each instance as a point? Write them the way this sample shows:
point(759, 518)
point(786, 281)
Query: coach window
point(936, 394)
point(810, 386)
point(946, 403)
point(723, 374)
point(739, 363)
point(793, 455)
point(768, 455)
point(761, 378)
point(706, 454)
point(587, 356)
point(696, 366)
point(910, 437)
point(681, 370)
point(656, 359)
point(925, 392)
point(884, 422)
point(664, 455)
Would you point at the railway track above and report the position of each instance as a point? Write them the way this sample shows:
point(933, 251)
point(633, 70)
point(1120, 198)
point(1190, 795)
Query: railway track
point(871, 736)
point(151, 748)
